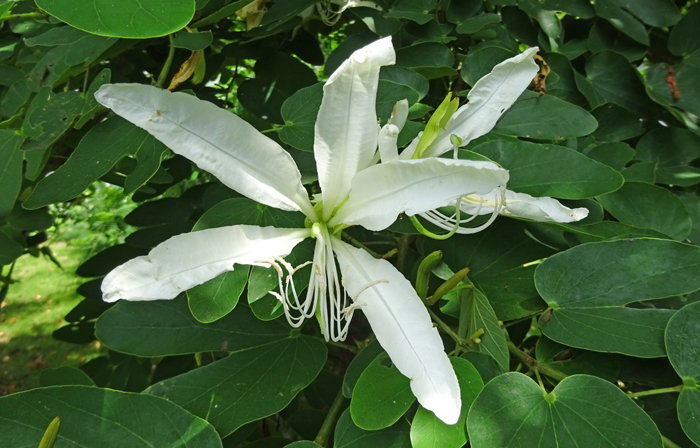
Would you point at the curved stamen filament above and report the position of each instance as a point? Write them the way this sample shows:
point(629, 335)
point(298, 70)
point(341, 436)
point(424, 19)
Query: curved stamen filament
point(453, 223)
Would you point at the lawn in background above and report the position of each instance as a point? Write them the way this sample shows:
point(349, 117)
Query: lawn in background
point(35, 306)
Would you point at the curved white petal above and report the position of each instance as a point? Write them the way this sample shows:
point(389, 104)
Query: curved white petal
point(216, 140)
point(403, 328)
point(521, 205)
point(400, 114)
point(380, 193)
point(491, 96)
point(387, 143)
point(542, 209)
point(346, 128)
point(190, 259)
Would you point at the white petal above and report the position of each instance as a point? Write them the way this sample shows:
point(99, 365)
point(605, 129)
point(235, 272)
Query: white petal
point(387, 143)
point(399, 114)
point(216, 140)
point(190, 259)
point(403, 328)
point(346, 128)
point(543, 209)
point(491, 96)
point(380, 193)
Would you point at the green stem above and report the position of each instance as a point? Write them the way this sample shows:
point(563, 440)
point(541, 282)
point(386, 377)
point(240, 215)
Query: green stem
point(347, 347)
point(404, 242)
point(668, 443)
point(446, 328)
point(535, 365)
point(665, 390)
point(168, 62)
point(359, 245)
point(329, 423)
point(28, 15)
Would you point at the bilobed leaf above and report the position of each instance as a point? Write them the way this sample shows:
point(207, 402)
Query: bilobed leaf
point(431, 60)
point(611, 78)
point(588, 286)
point(166, 327)
point(550, 170)
point(217, 297)
point(482, 58)
point(348, 435)
point(545, 117)
point(673, 149)
point(622, 20)
point(684, 38)
point(427, 431)
point(682, 336)
point(615, 124)
point(381, 396)
point(358, 364)
point(614, 154)
point(97, 417)
point(132, 19)
point(648, 206)
point(248, 384)
point(512, 411)
point(299, 113)
point(101, 148)
point(419, 11)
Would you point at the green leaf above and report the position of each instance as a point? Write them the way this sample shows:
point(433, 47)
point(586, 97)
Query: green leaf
point(572, 360)
point(614, 154)
point(132, 19)
point(495, 258)
point(482, 58)
point(166, 327)
point(673, 149)
point(588, 286)
point(604, 36)
point(101, 148)
point(347, 435)
point(547, 19)
point(622, 20)
point(512, 411)
point(692, 204)
point(97, 417)
point(49, 116)
point(643, 205)
point(616, 124)
point(64, 376)
point(10, 249)
point(358, 364)
point(551, 170)
point(607, 230)
point(431, 60)
point(160, 211)
point(303, 444)
point(477, 315)
point(381, 396)
point(217, 297)
point(101, 263)
point(682, 336)
point(685, 74)
point(193, 41)
point(611, 78)
point(475, 24)
point(419, 11)
point(658, 13)
point(545, 117)
point(248, 384)
point(578, 8)
point(10, 169)
point(688, 408)
point(428, 431)
point(684, 38)
point(299, 113)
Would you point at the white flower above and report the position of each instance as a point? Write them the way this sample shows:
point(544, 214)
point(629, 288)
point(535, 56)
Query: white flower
point(491, 96)
point(354, 191)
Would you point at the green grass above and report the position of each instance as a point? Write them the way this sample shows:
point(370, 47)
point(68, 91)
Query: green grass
point(35, 306)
